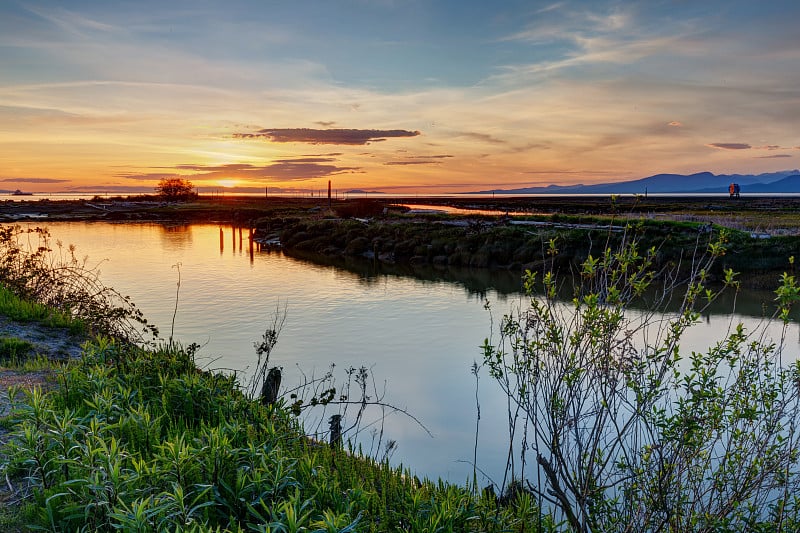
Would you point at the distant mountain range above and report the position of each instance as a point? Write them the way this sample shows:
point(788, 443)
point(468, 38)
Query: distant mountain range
point(786, 181)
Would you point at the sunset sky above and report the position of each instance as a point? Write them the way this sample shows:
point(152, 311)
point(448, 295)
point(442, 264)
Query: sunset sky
point(400, 96)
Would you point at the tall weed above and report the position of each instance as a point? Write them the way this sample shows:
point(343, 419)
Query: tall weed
point(36, 270)
point(619, 430)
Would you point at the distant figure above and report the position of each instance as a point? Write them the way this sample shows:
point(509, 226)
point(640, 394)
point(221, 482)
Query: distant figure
point(733, 190)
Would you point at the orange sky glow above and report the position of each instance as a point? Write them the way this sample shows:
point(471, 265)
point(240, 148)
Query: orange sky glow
point(390, 96)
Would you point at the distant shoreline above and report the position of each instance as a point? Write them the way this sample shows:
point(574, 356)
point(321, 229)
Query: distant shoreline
point(235, 208)
point(494, 233)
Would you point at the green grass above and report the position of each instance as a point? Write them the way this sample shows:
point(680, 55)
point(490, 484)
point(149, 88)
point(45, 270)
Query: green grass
point(12, 519)
point(141, 440)
point(14, 349)
point(36, 362)
point(21, 310)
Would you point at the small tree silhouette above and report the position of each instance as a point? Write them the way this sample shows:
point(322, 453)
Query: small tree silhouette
point(176, 189)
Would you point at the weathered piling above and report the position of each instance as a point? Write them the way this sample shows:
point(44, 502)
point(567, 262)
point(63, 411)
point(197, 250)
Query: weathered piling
point(269, 391)
point(335, 423)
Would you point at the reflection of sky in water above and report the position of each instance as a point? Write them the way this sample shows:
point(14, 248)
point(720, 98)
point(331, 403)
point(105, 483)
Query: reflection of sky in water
point(452, 210)
point(420, 337)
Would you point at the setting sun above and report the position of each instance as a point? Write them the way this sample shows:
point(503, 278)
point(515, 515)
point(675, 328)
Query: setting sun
point(227, 183)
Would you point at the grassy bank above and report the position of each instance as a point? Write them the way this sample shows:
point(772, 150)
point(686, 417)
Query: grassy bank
point(525, 244)
point(140, 440)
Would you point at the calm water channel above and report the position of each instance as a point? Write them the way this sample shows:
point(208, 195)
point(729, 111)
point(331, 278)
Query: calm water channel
point(419, 336)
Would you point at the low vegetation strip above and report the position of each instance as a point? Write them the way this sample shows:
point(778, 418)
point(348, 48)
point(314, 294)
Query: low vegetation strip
point(140, 440)
point(490, 242)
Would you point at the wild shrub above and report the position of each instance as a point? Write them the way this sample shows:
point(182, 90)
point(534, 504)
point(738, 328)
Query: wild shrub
point(57, 279)
point(617, 429)
point(357, 246)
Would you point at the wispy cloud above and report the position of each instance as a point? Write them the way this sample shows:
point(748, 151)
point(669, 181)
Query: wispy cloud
point(118, 189)
point(328, 136)
point(776, 156)
point(73, 22)
point(745, 146)
point(403, 163)
point(420, 160)
point(483, 137)
point(307, 160)
point(149, 176)
point(730, 146)
point(33, 180)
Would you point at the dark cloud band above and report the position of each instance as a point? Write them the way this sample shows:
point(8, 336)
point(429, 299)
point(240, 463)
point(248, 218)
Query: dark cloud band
point(731, 146)
point(329, 136)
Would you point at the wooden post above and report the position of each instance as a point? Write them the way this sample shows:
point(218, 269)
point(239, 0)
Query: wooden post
point(269, 391)
point(221, 241)
point(329, 194)
point(233, 239)
point(335, 423)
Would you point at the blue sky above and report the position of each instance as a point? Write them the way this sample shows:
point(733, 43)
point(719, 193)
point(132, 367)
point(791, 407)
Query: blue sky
point(240, 93)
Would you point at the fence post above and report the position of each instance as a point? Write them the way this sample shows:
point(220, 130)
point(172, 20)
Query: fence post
point(336, 431)
point(269, 391)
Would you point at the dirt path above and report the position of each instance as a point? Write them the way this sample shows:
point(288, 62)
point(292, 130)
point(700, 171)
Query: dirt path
point(53, 343)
